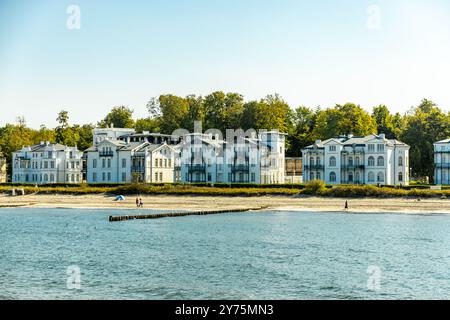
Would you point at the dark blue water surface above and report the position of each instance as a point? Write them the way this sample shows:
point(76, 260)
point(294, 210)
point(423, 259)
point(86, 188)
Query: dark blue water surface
point(259, 255)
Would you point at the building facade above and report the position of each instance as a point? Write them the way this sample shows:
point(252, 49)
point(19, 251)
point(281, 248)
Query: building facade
point(206, 158)
point(117, 161)
point(357, 160)
point(442, 162)
point(47, 163)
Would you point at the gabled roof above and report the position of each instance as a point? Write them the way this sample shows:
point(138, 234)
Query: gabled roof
point(443, 141)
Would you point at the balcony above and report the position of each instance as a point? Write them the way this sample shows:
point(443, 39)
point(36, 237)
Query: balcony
point(196, 167)
point(138, 169)
point(442, 165)
point(442, 151)
point(314, 167)
point(353, 166)
point(240, 167)
point(105, 153)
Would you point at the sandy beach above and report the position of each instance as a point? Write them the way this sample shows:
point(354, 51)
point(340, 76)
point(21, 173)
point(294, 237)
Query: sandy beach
point(170, 202)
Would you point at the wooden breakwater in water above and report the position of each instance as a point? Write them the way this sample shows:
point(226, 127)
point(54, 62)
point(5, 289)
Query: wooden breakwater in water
point(180, 214)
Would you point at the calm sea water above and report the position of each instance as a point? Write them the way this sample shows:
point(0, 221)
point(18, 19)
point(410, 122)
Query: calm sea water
point(261, 255)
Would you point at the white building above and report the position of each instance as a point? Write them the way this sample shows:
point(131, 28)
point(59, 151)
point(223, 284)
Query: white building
point(208, 159)
point(117, 161)
point(100, 134)
point(47, 163)
point(442, 162)
point(357, 160)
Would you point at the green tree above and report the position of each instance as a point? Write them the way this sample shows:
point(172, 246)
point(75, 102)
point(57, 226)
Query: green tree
point(304, 120)
point(64, 134)
point(343, 120)
point(425, 125)
point(119, 117)
point(384, 121)
point(147, 124)
point(174, 111)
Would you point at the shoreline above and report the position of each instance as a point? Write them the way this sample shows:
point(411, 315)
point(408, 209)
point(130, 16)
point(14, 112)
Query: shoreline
point(193, 203)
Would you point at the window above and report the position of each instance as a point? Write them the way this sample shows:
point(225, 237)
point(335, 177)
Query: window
point(371, 161)
point(156, 176)
point(350, 161)
point(165, 162)
point(332, 176)
point(156, 162)
point(45, 177)
point(332, 162)
point(124, 164)
point(371, 177)
point(94, 176)
point(311, 176)
point(160, 162)
point(109, 176)
point(380, 177)
point(253, 178)
point(371, 147)
point(332, 148)
point(318, 161)
point(318, 176)
point(380, 161)
point(67, 177)
point(357, 161)
point(400, 177)
point(161, 176)
point(103, 163)
point(52, 164)
point(357, 180)
point(109, 163)
point(52, 177)
point(170, 162)
point(350, 177)
point(124, 176)
point(103, 176)
point(400, 161)
point(94, 163)
point(311, 161)
point(45, 164)
point(380, 147)
point(209, 176)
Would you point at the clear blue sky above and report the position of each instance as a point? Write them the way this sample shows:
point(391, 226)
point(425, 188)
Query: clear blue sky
point(311, 52)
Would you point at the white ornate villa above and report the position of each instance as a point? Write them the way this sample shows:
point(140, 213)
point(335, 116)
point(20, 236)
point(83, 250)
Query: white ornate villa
point(257, 159)
point(122, 156)
point(47, 163)
point(442, 162)
point(357, 160)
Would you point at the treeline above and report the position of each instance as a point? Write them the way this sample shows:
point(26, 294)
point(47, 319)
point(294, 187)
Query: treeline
point(420, 127)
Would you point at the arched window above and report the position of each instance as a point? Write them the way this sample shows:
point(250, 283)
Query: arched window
point(380, 177)
point(350, 161)
point(311, 176)
point(52, 177)
point(371, 161)
point(357, 161)
point(380, 161)
point(318, 161)
point(45, 177)
point(332, 162)
point(318, 176)
point(371, 177)
point(400, 161)
point(357, 180)
point(400, 176)
point(332, 176)
point(311, 161)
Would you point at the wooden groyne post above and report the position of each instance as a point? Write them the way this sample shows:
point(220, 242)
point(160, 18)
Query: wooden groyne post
point(181, 214)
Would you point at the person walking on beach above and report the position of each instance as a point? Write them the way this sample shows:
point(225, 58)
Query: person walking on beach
point(137, 202)
point(346, 205)
point(141, 204)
